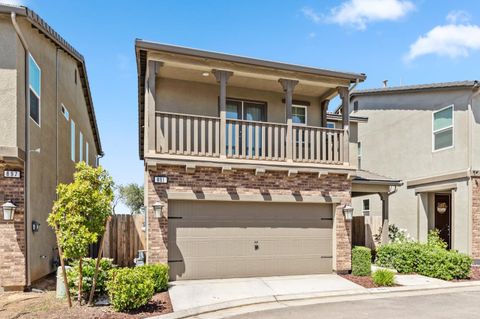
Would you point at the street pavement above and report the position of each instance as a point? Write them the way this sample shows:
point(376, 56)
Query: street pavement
point(462, 305)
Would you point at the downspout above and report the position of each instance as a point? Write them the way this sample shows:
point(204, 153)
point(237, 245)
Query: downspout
point(26, 170)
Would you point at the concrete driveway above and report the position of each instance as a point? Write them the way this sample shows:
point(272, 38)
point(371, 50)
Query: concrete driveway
point(196, 293)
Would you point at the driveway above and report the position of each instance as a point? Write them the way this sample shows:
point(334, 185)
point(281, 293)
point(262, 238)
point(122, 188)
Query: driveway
point(196, 293)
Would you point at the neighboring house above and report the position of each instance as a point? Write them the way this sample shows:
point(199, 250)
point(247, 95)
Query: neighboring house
point(47, 125)
point(428, 136)
point(242, 175)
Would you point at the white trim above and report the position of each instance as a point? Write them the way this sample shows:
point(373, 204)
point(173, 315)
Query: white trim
point(37, 94)
point(306, 113)
point(65, 112)
point(330, 122)
point(80, 146)
point(86, 153)
point(73, 146)
point(451, 127)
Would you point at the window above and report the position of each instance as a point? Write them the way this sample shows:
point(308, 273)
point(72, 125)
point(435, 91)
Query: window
point(34, 78)
point(366, 206)
point(359, 156)
point(442, 128)
point(330, 124)
point(65, 112)
point(299, 114)
point(80, 144)
point(75, 76)
point(72, 140)
point(86, 153)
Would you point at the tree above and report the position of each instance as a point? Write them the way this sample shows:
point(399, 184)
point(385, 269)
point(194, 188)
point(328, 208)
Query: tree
point(132, 196)
point(79, 214)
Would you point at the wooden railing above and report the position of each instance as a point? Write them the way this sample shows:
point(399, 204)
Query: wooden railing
point(317, 144)
point(195, 135)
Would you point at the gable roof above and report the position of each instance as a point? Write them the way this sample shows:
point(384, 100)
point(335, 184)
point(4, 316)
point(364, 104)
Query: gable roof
point(38, 23)
point(416, 88)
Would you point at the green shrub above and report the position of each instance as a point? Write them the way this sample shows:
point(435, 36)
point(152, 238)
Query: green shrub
point(401, 256)
point(88, 271)
point(129, 288)
point(361, 261)
point(383, 277)
point(444, 264)
point(159, 275)
point(434, 240)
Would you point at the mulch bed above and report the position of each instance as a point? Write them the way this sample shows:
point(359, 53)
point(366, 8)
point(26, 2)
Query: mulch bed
point(474, 275)
point(160, 304)
point(364, 281)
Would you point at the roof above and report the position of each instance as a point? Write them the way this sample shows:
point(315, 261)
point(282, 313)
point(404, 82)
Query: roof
point(142, 46)
point(367, 177)
point(353, 118)
point(38, 23)
point(418, 87)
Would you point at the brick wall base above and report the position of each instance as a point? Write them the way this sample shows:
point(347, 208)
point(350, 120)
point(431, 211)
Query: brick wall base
point(12, 233)
point(208, 180)
point(476, 218)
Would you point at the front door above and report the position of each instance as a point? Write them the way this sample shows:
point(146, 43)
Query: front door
point(443, 214)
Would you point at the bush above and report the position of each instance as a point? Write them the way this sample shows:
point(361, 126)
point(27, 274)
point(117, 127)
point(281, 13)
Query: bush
point(431, 259)
point(129, 288)
point(361, 261)
point(159, 275)
point(88, 271)
point(383, 277)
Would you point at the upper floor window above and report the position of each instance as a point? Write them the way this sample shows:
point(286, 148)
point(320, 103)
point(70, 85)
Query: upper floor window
point(72, 140)
point(65, 112)
point(299, 114)
point(80, 143)
point(359, 154)
point(34, 83)
point(330, 124)
point(86, 153)
point(442, 128)
point(246, 110)
point(366, 206)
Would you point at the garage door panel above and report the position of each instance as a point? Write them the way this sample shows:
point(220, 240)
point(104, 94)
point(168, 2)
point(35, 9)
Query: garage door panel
point(238, 239)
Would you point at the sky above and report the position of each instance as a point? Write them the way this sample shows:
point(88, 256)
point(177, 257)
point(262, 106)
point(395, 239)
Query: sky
point(402, 41)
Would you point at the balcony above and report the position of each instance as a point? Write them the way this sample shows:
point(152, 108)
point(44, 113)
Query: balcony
point(202, 136)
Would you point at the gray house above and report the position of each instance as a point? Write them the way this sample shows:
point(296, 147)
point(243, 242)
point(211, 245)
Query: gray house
point(429, 137)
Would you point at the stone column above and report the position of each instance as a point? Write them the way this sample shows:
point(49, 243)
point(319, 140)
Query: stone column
point(384, 198)
point(344, 96)
point(222, 77)
point(288, 86)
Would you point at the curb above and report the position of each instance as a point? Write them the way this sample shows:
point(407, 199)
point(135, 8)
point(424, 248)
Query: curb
point(311, 298)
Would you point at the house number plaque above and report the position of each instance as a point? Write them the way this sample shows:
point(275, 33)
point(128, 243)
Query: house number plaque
point(11, 174)
point(160, 179)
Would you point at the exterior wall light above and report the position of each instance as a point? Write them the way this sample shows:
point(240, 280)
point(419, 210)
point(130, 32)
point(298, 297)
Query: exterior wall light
point(158, 210)
point(8, 210)
point(348, 212)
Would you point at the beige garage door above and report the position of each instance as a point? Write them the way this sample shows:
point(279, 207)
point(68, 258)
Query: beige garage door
point(240, 239)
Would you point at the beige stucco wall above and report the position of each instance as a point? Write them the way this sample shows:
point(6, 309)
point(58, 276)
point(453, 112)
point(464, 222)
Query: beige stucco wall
point(397, 142)
point(53, 164)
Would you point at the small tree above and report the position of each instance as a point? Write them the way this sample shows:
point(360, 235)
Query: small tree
point(132, 196)
point(79, 214)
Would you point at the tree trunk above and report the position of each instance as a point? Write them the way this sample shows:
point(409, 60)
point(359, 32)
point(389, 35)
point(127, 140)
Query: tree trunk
point(80, 279)
point(97, 264)
point(64, 272)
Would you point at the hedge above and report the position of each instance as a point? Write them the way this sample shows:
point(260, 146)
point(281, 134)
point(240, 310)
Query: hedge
point(361, 261)
point(159, 275)
point(88, 271)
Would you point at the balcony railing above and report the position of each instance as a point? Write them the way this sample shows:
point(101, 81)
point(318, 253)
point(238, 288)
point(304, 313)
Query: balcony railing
point(195, 135)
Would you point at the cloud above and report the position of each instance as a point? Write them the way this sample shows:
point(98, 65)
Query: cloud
point(312, 35)
point(458, 16)
point(451, 40)
point(309, 13)
point(359, 13)
point(14, 2)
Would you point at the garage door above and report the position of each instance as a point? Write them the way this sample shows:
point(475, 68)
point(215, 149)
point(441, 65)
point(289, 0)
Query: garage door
point(241, 239)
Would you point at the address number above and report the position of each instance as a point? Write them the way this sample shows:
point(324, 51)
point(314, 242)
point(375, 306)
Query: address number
point(11, 174)
point(160, 180)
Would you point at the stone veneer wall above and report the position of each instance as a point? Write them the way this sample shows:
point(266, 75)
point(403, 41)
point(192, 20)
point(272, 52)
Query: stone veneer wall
point(476, 218)
point(244, 181)
point(12, 233)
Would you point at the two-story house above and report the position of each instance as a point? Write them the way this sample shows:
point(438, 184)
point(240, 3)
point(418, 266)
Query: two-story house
point(47, 125)
point(428, 136)
point(246, 173)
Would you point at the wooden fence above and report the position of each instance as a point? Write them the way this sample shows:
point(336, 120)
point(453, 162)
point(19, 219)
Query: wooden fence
point(124, 238)
point(364, 229)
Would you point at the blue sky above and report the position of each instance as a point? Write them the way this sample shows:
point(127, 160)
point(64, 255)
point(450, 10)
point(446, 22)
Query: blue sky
point(405, 42)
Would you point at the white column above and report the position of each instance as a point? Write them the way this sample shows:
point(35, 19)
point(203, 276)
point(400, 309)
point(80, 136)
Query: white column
point(288, 86)
point(222, 77)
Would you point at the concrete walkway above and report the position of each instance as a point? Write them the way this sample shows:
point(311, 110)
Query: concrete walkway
point(198, 293)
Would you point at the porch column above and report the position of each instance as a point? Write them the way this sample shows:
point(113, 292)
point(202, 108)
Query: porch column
point(344, 95)
point(222, 77)
point(324, 108)
point(288, 86)
point(149, 138)
point(384, 198)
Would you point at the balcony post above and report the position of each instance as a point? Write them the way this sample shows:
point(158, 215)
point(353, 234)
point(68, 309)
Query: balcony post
point(324, 108)
point(288, 86)
point(345, 97)
point(222, 77)
point(150, 106)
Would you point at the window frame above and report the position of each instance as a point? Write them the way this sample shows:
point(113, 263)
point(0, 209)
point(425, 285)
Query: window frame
point(451, 127)
point(65, 112)
point(359, 155)
point(331, 122)
point(37, 94)
point(242, 108)
point(86, 153)
point(73, 146)
point(80, 146)
point(306, 114)
point(367, 200)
